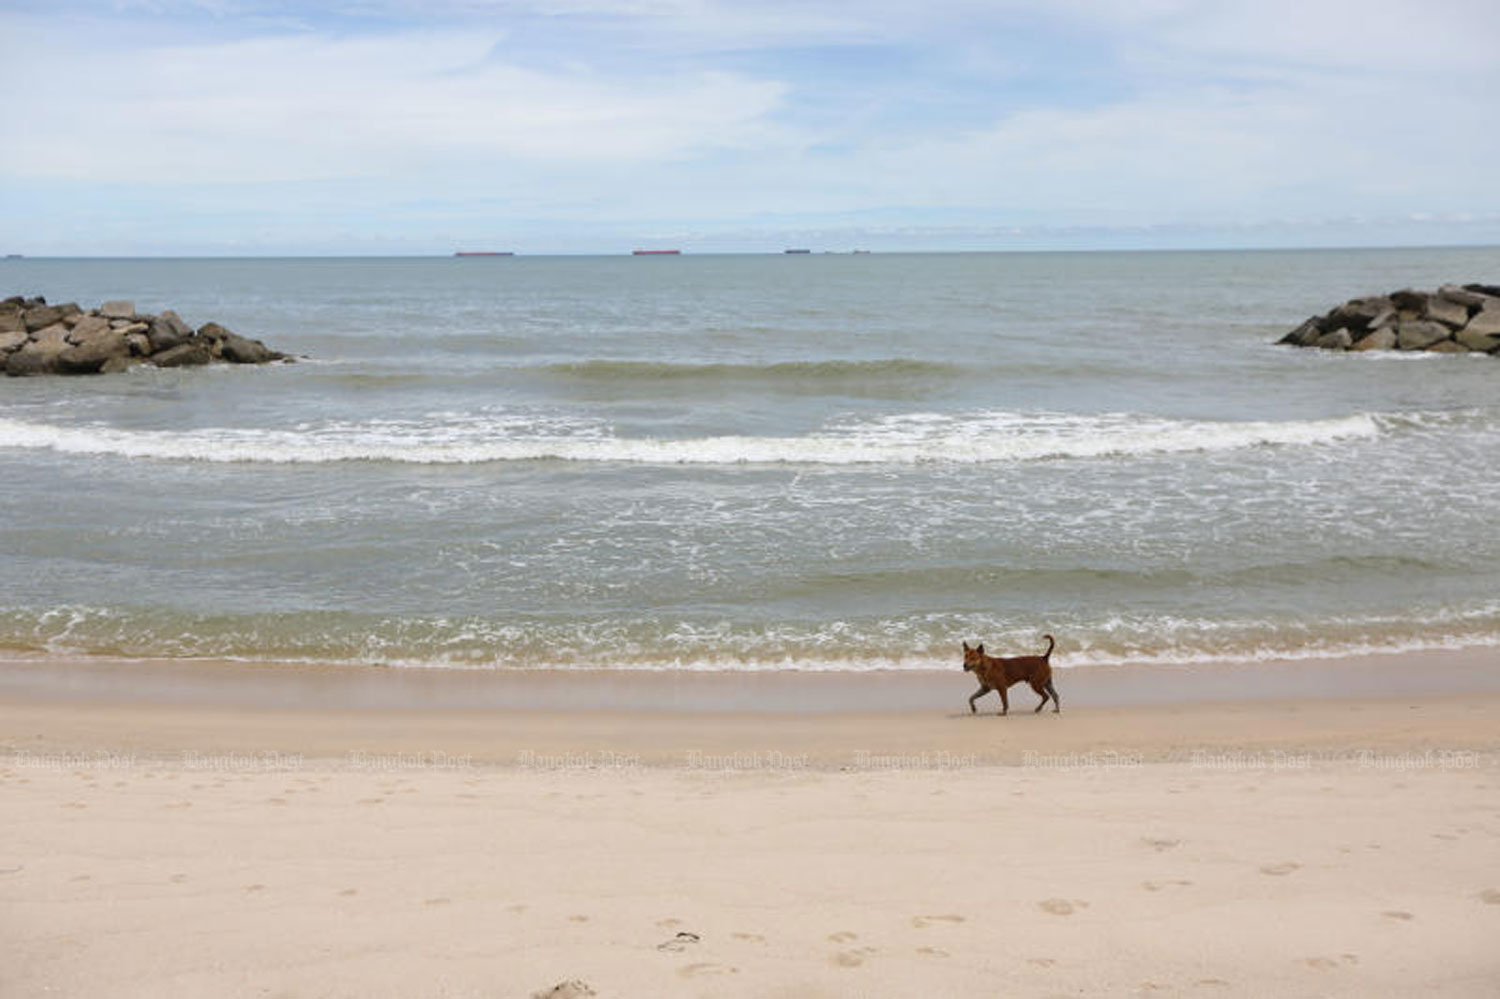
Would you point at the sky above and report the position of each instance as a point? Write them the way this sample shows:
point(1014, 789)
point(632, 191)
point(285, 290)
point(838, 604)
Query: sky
point(182, 127)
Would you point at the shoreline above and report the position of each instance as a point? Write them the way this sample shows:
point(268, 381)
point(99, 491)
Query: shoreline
point(345, 686)
point(239, 713)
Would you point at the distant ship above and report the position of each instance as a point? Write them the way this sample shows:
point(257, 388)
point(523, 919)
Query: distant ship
point(484, 253)
point(13, 256)
point(654, 253)
point(796, 251)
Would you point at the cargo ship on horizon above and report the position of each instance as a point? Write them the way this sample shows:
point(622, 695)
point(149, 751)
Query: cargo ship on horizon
point(655, 253)
point(483, 253)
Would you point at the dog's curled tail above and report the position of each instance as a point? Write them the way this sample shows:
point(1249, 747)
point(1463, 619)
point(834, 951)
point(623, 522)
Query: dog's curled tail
point(1051, 644)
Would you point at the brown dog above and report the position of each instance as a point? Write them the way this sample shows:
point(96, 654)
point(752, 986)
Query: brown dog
point(999, 673)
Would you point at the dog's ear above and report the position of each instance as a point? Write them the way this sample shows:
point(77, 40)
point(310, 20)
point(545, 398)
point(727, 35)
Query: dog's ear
point(966, 646)
point(979, 648)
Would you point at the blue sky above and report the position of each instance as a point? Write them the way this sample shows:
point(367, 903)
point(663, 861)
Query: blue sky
point(421, 126)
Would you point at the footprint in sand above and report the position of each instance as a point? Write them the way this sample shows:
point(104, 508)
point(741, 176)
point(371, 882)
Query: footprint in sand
point(681, 942)
point(748, 937)
point(73, 804)
point(851, 958)
point(1490, 896)
point(1041, 962)
point(1171, 883)
point(1281, 869)
point(704, 968)
point(667, 924)
point(843, 936)
point(932, 952)
point(276, 801)
point(578, 919)
point(1061, 906)
point(1400, 914)
point(1160, 844)
point(1328, 963)
point(1216, 982)
point(573, 988)
point(438, 901)
point(922, 922)
point(253, 888)
point(348, 892)
point(178, 879)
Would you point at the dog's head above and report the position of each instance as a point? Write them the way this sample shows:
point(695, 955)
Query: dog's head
point(973, 657)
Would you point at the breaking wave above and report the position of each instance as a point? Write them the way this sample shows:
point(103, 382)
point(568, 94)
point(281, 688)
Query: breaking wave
point(918, 438)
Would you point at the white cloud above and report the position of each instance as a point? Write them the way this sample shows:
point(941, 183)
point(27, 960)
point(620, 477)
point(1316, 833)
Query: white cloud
point(306, 106)
point(681, 113)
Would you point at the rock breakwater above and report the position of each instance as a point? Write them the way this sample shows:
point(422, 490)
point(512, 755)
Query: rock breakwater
point(1455, 319)
point(41, 339)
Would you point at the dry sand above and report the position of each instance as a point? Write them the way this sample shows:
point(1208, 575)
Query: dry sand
point(223, 837)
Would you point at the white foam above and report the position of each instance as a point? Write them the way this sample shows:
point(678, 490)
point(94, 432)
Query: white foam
point(973, 438)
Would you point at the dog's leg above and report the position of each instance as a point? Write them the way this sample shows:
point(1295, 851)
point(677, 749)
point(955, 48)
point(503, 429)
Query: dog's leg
point(977, 695)
point(1056, 703)
point(1041, 692)
point(1004, 701)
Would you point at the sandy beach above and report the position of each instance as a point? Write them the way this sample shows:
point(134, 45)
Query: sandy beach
point(225, 829)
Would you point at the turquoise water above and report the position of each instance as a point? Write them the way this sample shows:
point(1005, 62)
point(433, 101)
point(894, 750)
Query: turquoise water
point(751, 462)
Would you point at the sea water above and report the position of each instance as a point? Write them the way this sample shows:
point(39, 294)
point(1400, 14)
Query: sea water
point(833, 462)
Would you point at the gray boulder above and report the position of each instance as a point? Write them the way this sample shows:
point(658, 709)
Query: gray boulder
point(118, 309)
point(87, 327)
point(1447, 347)
point(43, 316)
point(39, 356)
point(1381, 339)
point(190, 354)
point(12, 340)
point(1420, 334)
point(52, 339)
point(242, 350)
point(28, 361)
point(12, 318)
point(1407, 300)
point(1448, 312)
point(1339, 339)
point(89, 356)
point(1358, 315)
point(165, 334)
point(1304, 335)
point(1486, 321)
point(1464, 297)
point(1474, 340)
